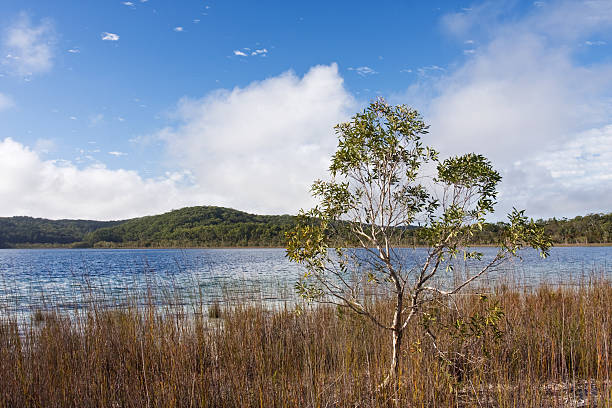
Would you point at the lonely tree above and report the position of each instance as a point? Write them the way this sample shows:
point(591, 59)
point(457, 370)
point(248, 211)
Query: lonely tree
point(384, 181)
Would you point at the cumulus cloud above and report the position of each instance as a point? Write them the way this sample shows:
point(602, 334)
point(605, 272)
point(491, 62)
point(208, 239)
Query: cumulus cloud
point(6, 102)
point(106, 36)
point(28, 47)
point(571, 179)
point(259, 148)
point(527, 102)
point(58, 189)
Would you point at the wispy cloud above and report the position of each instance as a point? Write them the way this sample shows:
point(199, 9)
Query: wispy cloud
point(117, 154)
point(595, 42)
point(262, 52)
point(430, 70)
point(6, 102)
point(45, 146)
point(28, 48)
point(106, 36)
point(179, 29)
point(363, 71)
point(128, 3)
point(249, 52)
point(74, 50)
point(95, 120)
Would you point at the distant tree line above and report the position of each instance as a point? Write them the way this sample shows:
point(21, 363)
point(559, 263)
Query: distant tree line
point(25, 231)
point(208, 226)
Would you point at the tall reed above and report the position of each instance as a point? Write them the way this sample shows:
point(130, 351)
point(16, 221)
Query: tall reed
point(549, 347)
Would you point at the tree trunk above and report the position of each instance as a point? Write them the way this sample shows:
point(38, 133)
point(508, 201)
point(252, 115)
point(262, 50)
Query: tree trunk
point(397, 333)
point(397, 343)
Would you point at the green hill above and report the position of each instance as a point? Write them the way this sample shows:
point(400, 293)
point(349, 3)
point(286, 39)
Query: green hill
point(208, 226)
point(195, 226)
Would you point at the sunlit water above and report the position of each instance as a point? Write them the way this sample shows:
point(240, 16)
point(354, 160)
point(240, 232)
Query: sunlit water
point(65, 279)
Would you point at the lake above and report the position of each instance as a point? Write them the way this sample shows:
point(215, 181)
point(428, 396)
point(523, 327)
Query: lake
point(67, 279)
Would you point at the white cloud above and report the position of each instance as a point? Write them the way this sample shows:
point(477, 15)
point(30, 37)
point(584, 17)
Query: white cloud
point(74, 50)
point(595, 42)
point(259, 148)
point(430, 70)
point(363, 71)
point(196, 20)
point(572, 179)
point(128, 3)
point(246, 52)
point(178, 29)
point(525, 98)
point(59, 189)
point(6, 102)
point(28, 48)
point(106, 36)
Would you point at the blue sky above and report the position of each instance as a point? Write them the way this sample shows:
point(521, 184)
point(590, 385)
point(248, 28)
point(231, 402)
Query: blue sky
point(114, 109)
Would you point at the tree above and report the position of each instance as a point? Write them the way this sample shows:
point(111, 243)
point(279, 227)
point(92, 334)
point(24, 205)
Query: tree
point(378, 189)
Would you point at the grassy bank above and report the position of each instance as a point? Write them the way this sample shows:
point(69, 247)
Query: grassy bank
point(551, 347)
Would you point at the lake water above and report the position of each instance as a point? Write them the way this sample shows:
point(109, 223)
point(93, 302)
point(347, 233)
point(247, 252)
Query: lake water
point(67, 279)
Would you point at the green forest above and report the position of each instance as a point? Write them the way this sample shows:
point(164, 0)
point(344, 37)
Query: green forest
point(209, 226)
point(28, 231)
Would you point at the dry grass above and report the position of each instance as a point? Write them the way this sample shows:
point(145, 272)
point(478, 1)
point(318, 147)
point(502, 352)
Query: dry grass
point(553, 351)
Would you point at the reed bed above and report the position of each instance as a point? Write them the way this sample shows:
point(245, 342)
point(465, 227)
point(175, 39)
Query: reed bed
point(549, 346)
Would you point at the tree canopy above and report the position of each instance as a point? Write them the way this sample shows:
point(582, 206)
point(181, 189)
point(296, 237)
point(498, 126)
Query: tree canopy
point(382, 179)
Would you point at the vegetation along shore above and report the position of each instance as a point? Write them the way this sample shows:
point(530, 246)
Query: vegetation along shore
point(504, 347)
point(209, 226)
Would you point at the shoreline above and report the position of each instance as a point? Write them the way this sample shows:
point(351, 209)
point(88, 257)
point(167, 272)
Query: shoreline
point(564, 245)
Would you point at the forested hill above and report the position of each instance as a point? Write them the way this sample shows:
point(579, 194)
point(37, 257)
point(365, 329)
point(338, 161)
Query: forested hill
point(196, 226)
point(218, 227)
point(22, 231)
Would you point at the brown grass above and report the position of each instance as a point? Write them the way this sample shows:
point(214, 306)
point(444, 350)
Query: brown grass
point(553, 351)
